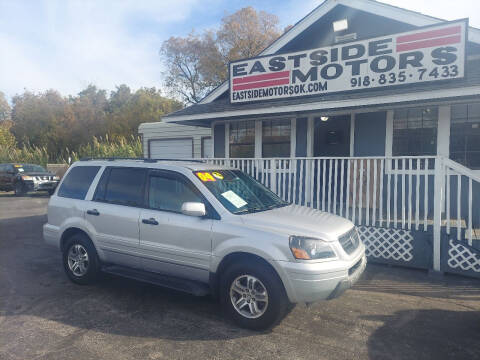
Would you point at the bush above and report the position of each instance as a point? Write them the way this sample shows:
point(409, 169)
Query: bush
point(117, 147)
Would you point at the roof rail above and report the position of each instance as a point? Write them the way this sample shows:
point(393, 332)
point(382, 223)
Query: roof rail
point(139, 159)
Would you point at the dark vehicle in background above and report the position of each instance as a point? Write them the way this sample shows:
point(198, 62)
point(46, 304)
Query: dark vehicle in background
point(23, 178)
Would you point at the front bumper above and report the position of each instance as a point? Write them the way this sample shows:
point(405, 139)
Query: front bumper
point(47, 185)
point(309, 283)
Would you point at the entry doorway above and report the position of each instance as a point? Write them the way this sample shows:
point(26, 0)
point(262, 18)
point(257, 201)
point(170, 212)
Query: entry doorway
point(332, 136)
point(331, 139)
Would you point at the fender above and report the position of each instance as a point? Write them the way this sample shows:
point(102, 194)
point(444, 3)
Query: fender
point(80, 223)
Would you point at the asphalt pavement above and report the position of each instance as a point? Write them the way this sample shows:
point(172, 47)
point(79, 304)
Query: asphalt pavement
point(392, 313)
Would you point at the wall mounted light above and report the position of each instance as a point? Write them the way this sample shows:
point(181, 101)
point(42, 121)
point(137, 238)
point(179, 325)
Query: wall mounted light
point(324, 118)
point(340, 25)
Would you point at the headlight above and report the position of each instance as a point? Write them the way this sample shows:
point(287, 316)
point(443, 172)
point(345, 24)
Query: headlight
point(306, 248)
point(25, 177)
point(56, 177)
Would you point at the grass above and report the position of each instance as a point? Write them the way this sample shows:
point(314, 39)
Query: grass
point(98, 147)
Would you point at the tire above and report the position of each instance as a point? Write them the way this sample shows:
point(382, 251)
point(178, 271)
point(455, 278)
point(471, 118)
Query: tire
point(269, 312)
point(87, 267)
point(19, 189)
point(50, 192)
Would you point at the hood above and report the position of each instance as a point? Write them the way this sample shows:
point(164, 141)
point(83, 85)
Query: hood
point(299, 220)
point(31, 173)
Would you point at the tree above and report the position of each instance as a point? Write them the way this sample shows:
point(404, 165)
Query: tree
point(182, 57)
point(43, 120)
point(60, 125)
point(198, 63)
point(128, 110)
point(4, 108)
point(7, 139)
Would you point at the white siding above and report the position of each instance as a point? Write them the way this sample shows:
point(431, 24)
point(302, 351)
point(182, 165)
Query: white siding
point(159, 130)
point(171, 148)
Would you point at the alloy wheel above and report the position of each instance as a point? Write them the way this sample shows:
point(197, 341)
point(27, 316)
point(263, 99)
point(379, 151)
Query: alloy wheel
point(78, 260)
point(249, 296)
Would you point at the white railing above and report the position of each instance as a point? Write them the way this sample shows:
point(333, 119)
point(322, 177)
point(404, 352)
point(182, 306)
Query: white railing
point(411, 193)
point(460, 184)
point(370, 191)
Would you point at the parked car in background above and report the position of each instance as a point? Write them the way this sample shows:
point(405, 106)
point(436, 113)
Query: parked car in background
point(23, 178)
point(202, 229)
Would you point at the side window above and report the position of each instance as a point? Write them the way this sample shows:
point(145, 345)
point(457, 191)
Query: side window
point(77, 182)
point(125, 186)
point(168, 193)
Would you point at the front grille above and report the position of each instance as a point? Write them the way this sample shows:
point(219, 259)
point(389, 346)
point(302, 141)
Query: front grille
point(350, 241)
point(40, 178)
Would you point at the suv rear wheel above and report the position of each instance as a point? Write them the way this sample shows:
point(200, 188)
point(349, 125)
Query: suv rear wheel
point(80, 259)
point(253, 296)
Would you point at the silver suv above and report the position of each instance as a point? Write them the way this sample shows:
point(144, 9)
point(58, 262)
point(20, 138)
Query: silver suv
point(201, 229)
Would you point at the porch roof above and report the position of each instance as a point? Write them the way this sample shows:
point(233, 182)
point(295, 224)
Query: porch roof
point(203, 114)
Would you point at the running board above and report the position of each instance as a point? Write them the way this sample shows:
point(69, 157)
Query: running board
point(188, 286)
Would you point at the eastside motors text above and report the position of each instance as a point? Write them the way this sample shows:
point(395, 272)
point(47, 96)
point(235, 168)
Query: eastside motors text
point(428, 54)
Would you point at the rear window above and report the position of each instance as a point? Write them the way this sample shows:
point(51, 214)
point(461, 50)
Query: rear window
point(125, 186)
point(77, 182)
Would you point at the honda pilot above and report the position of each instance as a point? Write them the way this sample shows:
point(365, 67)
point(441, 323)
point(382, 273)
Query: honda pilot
point(202, 229)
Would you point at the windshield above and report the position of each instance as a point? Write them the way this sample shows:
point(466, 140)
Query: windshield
point(29, 168)
point(239, 192)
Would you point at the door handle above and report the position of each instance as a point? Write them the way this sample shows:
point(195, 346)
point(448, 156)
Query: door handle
point(150, 221)
point(93, 212)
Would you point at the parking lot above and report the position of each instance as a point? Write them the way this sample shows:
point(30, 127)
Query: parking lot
point(392, 313)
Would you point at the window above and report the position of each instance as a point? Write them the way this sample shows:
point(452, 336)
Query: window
point(207, 147)
point(276, 138)
point(30, 168)
point(125, 186)
point(239, 193)
point(168, 193)
point(77, 182)
point(415, 131)
point(465, 134)
point(242, 139)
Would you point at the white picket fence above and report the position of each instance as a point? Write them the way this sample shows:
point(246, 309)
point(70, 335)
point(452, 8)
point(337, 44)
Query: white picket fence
point(411, 193)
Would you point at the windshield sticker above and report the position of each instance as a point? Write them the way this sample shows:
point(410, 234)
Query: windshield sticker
point(217, 175)
point(205, 176)
point(236, 200)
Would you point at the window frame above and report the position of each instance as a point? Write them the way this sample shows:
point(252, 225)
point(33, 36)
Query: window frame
point(106, 177)
point(408, 109)
point(230, 144)
point(211, 213)
point(99, 168)
point(277, 142)
point(463, 121)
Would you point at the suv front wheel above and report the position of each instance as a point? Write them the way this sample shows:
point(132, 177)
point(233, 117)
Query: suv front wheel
point(19, 189)
point(253, 296)
point(80, 259)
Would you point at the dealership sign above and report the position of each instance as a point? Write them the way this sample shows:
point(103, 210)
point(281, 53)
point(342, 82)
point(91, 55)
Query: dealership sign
point(433, 53)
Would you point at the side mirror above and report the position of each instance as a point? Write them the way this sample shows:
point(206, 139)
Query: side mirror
point(194, 209)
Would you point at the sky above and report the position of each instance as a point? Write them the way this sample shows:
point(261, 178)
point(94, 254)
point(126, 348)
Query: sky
point(68, 44)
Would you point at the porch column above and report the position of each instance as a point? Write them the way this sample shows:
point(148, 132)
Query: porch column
point(258, 139)
point(443, 135)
